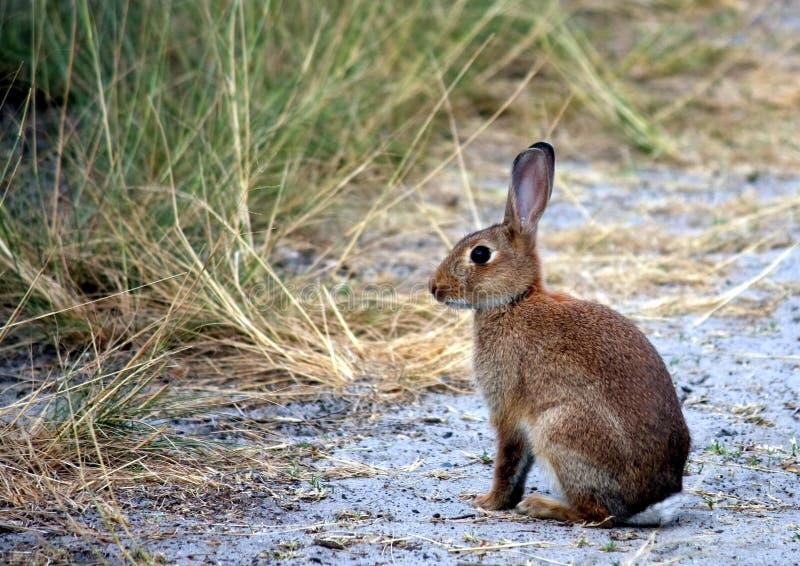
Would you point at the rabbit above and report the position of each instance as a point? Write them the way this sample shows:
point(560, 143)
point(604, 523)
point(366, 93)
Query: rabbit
point(570, 384)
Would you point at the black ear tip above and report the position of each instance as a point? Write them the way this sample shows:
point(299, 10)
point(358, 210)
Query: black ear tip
point(542, 146)
point(545, 147)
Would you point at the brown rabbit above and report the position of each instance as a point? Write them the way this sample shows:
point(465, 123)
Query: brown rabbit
point(571, 384)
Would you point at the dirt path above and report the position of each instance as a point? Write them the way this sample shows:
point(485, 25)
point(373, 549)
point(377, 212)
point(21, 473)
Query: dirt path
point(397, 482)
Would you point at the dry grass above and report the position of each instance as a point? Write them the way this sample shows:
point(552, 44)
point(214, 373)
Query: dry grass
point(240, 209)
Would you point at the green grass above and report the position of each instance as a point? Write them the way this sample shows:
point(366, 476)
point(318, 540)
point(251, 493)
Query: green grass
point(163, 161)
point(610, 546)
point(196, 138)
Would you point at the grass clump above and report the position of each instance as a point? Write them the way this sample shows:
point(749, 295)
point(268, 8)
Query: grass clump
point(165, 167)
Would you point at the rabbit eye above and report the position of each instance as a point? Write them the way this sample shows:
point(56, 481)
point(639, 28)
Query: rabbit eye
point(480, 254)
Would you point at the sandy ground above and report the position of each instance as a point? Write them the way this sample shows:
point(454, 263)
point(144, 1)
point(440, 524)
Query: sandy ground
point(397, 482)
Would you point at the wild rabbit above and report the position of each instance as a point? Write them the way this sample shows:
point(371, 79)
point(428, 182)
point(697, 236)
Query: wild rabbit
point(570, 384)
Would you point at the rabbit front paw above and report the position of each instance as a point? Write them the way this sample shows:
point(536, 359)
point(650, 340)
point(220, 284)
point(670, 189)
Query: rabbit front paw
point(490, 501)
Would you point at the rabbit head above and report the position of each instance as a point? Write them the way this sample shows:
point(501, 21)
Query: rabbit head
point(500, 265)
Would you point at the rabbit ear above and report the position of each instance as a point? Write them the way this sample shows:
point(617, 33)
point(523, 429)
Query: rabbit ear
point(531, 186)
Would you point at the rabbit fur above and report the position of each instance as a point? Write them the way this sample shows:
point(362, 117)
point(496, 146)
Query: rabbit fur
point(570, 384)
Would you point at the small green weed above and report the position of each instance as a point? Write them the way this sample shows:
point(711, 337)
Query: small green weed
point(717, 448)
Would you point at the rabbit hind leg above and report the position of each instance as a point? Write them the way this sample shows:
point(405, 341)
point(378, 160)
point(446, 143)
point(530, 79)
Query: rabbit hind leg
point(540, 506)
point(543, 507)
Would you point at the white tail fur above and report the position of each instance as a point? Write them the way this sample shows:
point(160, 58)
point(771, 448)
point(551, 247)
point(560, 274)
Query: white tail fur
point(660, 513)
point(664, 512)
